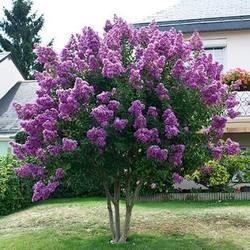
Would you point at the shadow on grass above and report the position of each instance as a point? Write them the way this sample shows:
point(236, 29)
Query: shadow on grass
point(74, 240)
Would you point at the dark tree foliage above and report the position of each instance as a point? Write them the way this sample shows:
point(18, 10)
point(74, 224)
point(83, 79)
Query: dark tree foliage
point(19, 32)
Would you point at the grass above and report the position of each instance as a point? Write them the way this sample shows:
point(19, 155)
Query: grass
point(82, 224)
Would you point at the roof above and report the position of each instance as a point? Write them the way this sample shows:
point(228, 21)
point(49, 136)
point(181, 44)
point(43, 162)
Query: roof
point(188, 185)
point(4, 55)
point(9, 73)
point(203, 15)
point(21, 92)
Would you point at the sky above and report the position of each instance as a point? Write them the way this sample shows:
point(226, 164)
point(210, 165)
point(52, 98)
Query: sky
point(64, 17)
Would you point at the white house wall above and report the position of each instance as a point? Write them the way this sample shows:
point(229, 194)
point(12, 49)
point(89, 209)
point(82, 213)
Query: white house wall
point(237, 46)
point(9, 76)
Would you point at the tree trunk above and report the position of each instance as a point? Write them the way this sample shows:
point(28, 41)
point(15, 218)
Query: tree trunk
point(110, 211)
point(130, 198)
point(116, 203)
point(124, 236)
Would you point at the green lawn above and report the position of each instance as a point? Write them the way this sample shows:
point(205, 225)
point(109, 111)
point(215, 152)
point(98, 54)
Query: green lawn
point(82, 224)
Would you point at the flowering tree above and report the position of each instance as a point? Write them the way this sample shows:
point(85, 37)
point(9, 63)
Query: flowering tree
point(128, 107)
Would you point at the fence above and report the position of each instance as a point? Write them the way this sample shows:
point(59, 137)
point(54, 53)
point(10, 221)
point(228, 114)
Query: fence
point(196, 196)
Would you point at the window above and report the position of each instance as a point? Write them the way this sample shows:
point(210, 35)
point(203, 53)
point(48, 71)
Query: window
point(218, 54)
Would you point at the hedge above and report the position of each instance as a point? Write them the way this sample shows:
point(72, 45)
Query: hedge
point(15, 193)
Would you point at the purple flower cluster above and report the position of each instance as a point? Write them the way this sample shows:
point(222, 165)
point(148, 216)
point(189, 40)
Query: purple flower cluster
point(217, 151)
point(162, 92)
point(119, 124)
point(136, 108)
point(103, 97)
point(232, 147)
point(69, 145)
point(206, 169)
point(176, 155)
point(218, 124)
point(114, 105)
point(152, 111)
point(41, 191)
point(59, 173)
point(229, 147)
point(97, 136)
point(140, 122)
point(145, 135)
point(177, 178)
point(155, 152)
point(30, 169)
point(46, 55)
point(102, 114)
point(195, 41)
point(171, 123)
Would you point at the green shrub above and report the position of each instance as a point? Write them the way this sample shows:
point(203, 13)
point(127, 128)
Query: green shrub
point(235, 164)
point(219, 176)
point(15, 192)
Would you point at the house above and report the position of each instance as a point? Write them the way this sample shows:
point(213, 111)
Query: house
point(13, 88)
point(225, 29)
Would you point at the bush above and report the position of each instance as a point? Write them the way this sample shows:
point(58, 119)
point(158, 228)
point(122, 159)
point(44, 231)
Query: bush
point(15, 192)
point(237, 74)
point(217, 174)
point(237, 164)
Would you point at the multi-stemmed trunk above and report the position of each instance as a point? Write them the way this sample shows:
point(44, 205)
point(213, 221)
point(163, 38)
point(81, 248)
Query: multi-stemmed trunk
point(113, 205)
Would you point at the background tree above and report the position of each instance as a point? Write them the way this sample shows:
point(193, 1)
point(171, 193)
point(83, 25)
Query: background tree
point(19, 33)
point(127, 109)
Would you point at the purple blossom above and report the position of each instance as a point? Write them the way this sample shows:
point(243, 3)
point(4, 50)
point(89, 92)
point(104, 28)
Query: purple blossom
point(155, 152)
point(45, 55)
point(217, 151)
point(152, 111)
point(218, 124)
point(26, 111)
point(102, 115)
point(176, 155)
point(136, 108)
point(162, 92)
point(119, 123)
point(41, 191)
point(82, 90)
point(97, 136)
point(54, 150)
point(232, 113)
point(171, 123)
point(206, 169)
point(59, 173)
point(140, 122)
point(45, 101)
point(41, 154)
point(103, 97)
point(195, 41)
point(69, 145)
point(30, 169)
point(147, 135)
point(49, 135)
point(178, 70)
point(113, 105)
point(232, 147)
point(231, 101)
point(108, 26)
point(177, 178)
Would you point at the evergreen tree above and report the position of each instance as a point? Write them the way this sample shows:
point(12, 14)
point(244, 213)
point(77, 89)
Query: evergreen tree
point(19, 33)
